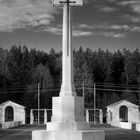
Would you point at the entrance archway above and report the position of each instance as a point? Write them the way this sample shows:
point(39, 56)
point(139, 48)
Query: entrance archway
point(123, 113)
point(9, 114)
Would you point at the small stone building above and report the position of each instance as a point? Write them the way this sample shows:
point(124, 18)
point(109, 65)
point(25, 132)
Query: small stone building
point(11, 114)
point(123, 114)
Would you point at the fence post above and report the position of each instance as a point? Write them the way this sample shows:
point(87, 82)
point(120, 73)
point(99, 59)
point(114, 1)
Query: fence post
point(101, 116)
point(45, 116)
point(87, 115)
point(31, 116)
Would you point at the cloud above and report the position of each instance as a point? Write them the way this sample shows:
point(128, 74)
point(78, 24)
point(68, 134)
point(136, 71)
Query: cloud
point(134, 4)
point(18, 14)
point(135, 29)
point(57, 30)
point(119, 27)
point(100, 30)
point(112, 34)
point(85, 30)
point(83, 26)
point(82, 30)
point(112, 0)
point(134, 19)
point(87, 1)
point(108, 9)
point(111, 27)
point(128, 2)
point(136, 8)
point(116, 27)
point(78, 33)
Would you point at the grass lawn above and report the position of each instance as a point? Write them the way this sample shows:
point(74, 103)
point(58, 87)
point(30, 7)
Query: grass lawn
point(111, 133)
point(114, 133)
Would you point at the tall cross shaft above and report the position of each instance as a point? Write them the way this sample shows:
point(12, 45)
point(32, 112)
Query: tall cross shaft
point(67, 88)
point(67, 3)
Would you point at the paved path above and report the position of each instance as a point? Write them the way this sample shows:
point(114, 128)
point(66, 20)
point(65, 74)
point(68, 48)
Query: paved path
point(111, 133)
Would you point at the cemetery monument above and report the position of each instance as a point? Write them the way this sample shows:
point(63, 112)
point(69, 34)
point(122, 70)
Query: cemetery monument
point(68, 121)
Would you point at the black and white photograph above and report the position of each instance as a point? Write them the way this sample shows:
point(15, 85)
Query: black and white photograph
point(69, 69)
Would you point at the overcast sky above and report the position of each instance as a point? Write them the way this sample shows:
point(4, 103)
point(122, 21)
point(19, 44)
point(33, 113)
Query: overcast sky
point(106, 24)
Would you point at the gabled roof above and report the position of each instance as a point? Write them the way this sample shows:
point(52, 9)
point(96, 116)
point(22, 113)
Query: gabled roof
point(121, 101)
point(12, 104)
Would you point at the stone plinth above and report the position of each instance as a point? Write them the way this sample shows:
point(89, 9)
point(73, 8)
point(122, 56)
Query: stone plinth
point(68, 109)
point(68, 135)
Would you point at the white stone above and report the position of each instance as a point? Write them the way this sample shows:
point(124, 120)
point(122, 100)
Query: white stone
point(68, 135)
point(69, 126)
point(68, 108)
point(11, 124)
point(67, 87)
point(125, 125)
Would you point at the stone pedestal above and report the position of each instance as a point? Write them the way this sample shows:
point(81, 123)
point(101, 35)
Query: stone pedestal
point(68, 109)
point(68, 122)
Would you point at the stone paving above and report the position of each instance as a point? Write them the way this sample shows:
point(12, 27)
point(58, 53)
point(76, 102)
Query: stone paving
point(111, 133)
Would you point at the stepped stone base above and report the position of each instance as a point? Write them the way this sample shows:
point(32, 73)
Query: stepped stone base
point(68, 135)
point(68, 131)
point(68, 122)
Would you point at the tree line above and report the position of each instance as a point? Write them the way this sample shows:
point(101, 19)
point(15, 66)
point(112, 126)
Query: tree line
point(115, 74)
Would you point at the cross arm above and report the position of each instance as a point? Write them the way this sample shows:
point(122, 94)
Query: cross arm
point(70, 2)
point(67, 1)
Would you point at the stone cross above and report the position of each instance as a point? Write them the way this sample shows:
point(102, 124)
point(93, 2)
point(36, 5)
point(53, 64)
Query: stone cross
point(68, 120)
point(67, 88)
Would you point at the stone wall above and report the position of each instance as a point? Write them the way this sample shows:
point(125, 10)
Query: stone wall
point(11, 124)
